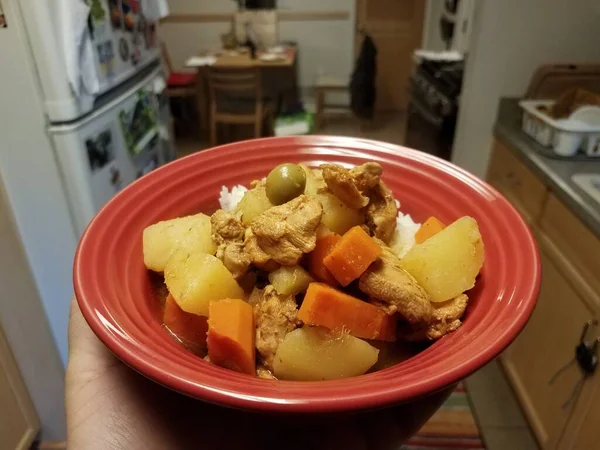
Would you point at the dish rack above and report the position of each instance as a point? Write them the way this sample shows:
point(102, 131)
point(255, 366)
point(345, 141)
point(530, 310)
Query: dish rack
point(564, 136)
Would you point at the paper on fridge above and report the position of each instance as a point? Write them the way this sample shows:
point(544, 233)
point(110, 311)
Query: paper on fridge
point(155, 9)
point(77, 48)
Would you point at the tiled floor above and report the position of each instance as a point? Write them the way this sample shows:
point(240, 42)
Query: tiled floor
point(497, 412)
point(499, 417)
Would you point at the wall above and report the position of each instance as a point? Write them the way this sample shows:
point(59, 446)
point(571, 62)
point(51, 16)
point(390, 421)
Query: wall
point(325, 46)
point(432, 39)
point(24, 323)
point(37, 241)
point(510, 40)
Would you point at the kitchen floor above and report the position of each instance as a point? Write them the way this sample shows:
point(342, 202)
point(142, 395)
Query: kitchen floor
point(389, 127)
point(498, 415)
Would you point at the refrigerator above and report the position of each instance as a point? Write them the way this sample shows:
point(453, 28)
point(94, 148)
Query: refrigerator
point(85, 113)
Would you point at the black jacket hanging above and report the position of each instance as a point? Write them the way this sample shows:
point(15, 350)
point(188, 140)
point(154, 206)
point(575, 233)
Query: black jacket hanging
point(362, 85)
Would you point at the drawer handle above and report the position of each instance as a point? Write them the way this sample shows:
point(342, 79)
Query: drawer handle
point(586, 356)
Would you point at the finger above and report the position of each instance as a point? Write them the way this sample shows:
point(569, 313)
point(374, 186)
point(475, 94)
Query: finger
point(83, 343)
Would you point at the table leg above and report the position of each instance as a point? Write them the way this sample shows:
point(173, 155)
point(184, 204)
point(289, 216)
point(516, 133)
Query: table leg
point(319, 106)
point(202, 101)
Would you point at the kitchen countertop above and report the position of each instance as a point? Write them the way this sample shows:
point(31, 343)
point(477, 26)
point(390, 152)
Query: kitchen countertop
point(554, 173)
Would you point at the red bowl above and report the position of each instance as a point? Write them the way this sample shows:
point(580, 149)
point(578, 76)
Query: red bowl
point(115, 293)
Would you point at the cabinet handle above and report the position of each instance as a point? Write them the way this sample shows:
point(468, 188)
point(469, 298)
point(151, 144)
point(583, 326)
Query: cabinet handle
point(586, 357)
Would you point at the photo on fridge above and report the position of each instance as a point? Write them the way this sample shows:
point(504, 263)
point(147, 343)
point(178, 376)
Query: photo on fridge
point(100, 150)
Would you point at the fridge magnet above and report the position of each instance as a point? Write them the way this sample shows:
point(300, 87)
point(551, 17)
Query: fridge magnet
point(97, 19)
point(139, 124)
point(116, 14)
point(129, 8)
point(123, 49)
point(97, 11)
point(136, 56)
point(100, 150)
point(106, 57)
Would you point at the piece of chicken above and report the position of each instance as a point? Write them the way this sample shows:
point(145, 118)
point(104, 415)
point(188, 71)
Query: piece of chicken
point(395, 290)
point(228, 233)
point(226, 227)
point(350, 185)
point(275, 316)
point(287, 231)
point(258, 257)
point(367, 175)
point(446, 318)
point(381, 213)
point(236, 259)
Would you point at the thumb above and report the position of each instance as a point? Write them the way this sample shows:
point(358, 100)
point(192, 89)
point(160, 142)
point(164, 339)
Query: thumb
point(84, 346)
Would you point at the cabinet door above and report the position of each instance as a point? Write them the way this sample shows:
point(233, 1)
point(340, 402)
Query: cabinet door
point(583, 431)
point(19, 424)
point(516, 182)
point(546, 344)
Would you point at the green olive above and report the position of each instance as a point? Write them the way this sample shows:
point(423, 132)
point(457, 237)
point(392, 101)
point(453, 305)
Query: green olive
point(285, 182)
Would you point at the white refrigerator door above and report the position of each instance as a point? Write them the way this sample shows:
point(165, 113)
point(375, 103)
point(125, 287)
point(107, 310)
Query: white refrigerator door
point(112, 147)
point(121, 36)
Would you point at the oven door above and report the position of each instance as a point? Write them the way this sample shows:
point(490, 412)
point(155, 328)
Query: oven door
point(427, 129)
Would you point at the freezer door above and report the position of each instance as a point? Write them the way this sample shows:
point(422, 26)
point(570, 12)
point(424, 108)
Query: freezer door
point(102, 154)
point(82, 50)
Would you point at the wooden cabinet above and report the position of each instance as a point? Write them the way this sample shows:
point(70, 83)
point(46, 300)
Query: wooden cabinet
point(574, 240)
point(569, 297)
point(19, 424)
point(516, 182)
point(545, 346)
point(583, 431)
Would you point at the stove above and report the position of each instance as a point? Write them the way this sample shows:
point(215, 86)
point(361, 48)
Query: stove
point(434, 92)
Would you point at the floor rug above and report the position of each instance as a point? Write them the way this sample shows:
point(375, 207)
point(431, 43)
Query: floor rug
point(452, 427)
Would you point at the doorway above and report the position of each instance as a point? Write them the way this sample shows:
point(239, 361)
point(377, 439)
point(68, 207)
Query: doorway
point(396, 27)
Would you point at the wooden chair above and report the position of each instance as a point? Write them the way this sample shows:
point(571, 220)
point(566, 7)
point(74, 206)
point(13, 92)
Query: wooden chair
point(236, 98)
point(325, 84)
point(180, 85)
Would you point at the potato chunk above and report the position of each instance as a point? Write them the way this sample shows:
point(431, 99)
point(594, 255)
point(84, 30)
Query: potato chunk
point(290, 280)
point(446, 264)
point(313, 354)
point(191, 233)
point(253, 204)
point(194, 279)
point(337, 217)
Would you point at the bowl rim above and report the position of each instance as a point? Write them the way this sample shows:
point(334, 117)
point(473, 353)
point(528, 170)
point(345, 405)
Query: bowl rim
point(351, 400)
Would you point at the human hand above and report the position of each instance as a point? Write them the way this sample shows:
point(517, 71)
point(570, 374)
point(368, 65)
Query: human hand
point(110, 406)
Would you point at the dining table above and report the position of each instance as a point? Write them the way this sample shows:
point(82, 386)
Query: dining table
point(279, 75)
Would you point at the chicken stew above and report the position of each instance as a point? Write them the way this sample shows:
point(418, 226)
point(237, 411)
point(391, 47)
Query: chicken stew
point(312, 275)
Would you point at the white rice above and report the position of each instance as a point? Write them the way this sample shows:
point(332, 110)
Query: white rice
point(401, 243)
point(404, 238)
point(229, 200)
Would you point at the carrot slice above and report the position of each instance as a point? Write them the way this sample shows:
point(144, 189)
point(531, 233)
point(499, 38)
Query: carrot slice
point(231, 335)
point(315, 258)
point(352, 255)
point(430, 227)
point(191, 328)
point(336, 310)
